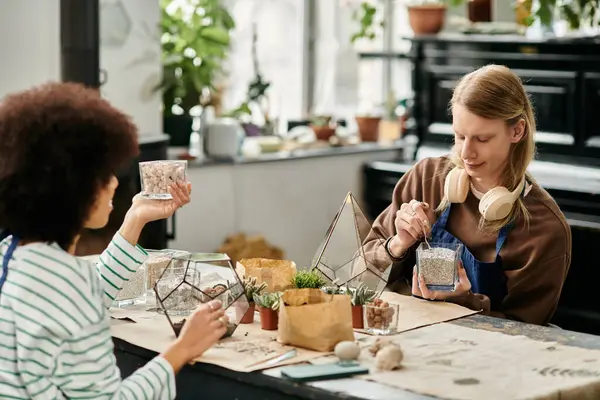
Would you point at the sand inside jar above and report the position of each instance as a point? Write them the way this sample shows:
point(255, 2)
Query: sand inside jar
point(438, 266)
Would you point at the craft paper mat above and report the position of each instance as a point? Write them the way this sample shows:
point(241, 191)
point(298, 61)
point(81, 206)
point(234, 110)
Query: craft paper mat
point(248, 345)
point(455, 362)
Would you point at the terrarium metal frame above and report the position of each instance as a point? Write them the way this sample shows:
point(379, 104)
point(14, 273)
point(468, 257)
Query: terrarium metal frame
point(321, 264)
point(233, 300)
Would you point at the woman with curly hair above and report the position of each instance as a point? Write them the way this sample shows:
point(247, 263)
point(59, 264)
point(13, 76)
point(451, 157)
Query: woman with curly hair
point(60, 148)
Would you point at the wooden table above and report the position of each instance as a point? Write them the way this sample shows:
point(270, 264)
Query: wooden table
point(212, 382)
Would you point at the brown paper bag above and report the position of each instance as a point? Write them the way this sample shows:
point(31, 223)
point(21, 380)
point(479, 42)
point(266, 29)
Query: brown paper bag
point(277, 274)
point(314, 320)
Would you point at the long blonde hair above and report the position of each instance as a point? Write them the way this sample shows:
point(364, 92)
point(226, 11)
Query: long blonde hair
point(495, 92)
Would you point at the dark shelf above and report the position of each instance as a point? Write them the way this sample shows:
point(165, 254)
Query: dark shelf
point(382, 54)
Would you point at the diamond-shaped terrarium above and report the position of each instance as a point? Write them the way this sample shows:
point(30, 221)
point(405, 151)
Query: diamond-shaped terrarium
point(352, 252)
point(197, 278)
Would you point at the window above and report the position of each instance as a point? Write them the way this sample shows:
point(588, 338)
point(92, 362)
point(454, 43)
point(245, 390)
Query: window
point(279, 29)
point(357, 77)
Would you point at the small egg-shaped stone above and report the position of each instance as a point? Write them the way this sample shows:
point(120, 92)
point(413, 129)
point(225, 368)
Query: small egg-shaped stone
point(347, 351)
point(389, 357)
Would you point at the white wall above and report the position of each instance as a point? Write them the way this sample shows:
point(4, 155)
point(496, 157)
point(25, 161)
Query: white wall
point(130, 52)
point(29, 43)
point(290, 202)
point(30, 49)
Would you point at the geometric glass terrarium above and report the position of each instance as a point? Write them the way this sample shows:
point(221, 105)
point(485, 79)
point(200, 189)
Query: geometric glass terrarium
point(196, 278)
point(352, 252)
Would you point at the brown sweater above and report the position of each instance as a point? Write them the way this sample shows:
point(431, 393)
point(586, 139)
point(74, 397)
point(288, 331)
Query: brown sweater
point(535, 259)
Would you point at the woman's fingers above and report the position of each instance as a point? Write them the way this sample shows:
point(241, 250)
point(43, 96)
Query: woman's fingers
point(425, 292)
point(419, 209)
point(403, 224)
point(409, 216)
point(415, 283)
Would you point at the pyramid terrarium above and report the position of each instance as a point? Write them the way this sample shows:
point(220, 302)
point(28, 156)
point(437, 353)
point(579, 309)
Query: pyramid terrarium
point(193, 279)
point(352, 252)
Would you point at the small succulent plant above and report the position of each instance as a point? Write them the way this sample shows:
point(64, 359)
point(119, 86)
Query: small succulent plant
point(361, 295)
point(251, 287)
point(308, 280)
point(268, 300)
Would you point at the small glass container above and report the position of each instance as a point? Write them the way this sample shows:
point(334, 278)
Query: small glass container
point(380, 318)
point(133, 292)
point(157, 176)
point(437, 263)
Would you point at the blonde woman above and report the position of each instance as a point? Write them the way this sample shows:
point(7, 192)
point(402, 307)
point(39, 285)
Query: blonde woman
point(517, 244)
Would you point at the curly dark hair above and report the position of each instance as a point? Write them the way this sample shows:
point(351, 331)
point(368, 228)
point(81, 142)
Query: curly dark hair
point(59, 143)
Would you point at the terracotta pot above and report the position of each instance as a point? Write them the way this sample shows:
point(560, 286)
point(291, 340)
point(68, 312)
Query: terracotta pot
point(368, 128)
point(269, 318)
point(323, 132)
point(248, 318)
point(357, 317)
point(427, 19)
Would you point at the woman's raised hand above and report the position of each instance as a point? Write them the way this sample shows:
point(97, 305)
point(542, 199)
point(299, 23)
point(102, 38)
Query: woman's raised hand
point(412, 224)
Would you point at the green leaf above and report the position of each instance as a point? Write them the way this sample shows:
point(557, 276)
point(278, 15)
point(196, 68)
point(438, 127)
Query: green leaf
point(215, 34)
point(570, 15)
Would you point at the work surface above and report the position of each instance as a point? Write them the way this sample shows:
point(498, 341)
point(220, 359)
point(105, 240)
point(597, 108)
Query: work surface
point(209, 381)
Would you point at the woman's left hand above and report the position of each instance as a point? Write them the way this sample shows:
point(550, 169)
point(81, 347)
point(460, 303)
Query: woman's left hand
point(148, 210)
point(462, 287)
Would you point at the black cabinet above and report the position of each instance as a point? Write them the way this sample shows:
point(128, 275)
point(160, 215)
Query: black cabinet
point(561, 77)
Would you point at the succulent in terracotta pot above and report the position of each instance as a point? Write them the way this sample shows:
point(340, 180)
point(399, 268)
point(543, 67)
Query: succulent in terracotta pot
point(251, 287)
point(268, 308)
point(360, 296)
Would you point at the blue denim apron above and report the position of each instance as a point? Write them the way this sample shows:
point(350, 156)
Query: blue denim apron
point(7, 256)
point(486, 277)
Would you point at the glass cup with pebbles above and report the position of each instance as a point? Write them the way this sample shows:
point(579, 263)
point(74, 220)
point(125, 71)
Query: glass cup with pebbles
point(133, 291)
point(437, 263)
point(380, 317)
point(157, 176)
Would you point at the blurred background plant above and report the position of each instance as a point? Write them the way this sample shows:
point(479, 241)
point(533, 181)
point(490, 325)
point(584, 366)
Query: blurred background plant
point(195, 42)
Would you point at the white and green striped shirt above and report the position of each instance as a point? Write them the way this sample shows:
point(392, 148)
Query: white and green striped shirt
point(55, 340)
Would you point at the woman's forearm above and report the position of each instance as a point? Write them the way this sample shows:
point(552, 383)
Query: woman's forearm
point(132, 228)
point(177, 356)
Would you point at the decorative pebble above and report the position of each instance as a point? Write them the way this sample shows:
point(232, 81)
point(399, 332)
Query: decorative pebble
point(157, 176)
point(379, 314)
point(389, 357)
point(438, 266)
point(347, 351)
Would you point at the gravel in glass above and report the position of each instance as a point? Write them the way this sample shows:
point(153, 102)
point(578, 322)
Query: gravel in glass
point(156, 264)
point(438, 265)
point(133, 291)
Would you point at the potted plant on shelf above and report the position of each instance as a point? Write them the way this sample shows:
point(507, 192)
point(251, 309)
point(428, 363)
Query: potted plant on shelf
point(323, 127)
point(368, 127)
point(427, 17)
point(360, 296)
point(251, 288)
point(195, 42)
point(268, 308)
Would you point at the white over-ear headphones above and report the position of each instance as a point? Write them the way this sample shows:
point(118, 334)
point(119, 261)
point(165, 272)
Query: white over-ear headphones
point(496, 204)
